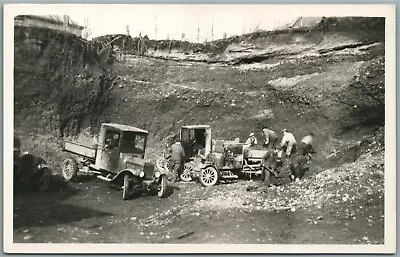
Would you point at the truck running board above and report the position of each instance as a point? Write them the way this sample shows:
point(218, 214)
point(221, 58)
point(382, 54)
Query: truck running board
point(104, 178)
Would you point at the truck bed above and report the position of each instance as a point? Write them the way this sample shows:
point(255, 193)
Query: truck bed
point(82, 150)
point(256, 154)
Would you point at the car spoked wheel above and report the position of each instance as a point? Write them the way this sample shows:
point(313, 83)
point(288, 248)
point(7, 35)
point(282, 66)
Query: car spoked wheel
point(187, 171)
point(208, 176)
point(166, 163)
point(69, 169)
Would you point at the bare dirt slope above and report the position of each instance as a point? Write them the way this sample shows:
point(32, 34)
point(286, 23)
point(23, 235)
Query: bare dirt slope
point(328, 80)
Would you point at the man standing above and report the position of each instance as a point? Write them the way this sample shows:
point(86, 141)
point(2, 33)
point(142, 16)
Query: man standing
point(270, 138)
point(288, 142)
point(297, 165)
point(297, 169)
point(252, 140)
point(177, 159)
point(305, 146)
point(271, 163)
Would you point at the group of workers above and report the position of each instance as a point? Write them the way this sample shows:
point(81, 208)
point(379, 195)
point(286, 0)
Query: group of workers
point(297, 154)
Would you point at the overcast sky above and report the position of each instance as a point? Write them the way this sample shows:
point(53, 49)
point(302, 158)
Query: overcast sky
point(162, 21)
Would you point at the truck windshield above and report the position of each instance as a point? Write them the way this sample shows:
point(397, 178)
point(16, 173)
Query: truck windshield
point(187, 134)
point(133, 142)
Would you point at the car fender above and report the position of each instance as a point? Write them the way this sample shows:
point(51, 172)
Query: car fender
point(206, 165)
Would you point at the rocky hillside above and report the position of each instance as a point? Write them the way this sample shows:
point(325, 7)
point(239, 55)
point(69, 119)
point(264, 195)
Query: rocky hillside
point(61, 82)
point(328, 79)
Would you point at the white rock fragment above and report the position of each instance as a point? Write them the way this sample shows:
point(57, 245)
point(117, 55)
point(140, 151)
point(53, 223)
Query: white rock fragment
point(28, 237)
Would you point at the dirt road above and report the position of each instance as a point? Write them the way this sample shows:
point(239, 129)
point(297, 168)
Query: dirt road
point(91, 211)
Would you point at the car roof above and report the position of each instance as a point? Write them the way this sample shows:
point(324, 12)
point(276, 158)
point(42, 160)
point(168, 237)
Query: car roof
point(122, 127)
point(196, 126)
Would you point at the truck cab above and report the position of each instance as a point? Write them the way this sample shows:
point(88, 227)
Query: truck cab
point(196, 139)
point(120, 147)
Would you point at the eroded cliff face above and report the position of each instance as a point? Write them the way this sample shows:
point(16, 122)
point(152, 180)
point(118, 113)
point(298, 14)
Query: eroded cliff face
point(61, 82)
point(328, 79)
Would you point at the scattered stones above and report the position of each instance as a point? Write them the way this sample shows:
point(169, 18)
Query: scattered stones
point(28, 237)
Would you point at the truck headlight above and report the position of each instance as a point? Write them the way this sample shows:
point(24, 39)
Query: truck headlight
point(157, 174)
point(141, 174)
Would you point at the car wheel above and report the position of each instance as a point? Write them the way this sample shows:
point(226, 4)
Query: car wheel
point(187, 171)
point(69, 169)
point(162, 187)
point(208, 176)
point(125, 187)
point(162, 163)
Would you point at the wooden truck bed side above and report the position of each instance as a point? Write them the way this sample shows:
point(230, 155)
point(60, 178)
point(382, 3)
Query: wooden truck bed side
point(256, 154)
point(82, 150)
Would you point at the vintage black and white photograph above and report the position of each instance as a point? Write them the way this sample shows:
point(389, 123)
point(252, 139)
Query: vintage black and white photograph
point(199, 128)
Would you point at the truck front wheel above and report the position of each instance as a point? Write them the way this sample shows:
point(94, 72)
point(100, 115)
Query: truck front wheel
point(162, 187)
point(125, 187)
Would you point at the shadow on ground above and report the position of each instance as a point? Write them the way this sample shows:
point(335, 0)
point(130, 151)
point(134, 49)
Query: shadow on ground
point(35, 209)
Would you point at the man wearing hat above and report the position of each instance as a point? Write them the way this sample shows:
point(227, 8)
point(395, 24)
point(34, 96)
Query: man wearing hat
point(252, 140)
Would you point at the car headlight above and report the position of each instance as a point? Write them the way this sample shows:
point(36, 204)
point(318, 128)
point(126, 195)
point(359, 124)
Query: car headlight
point(157, 174)
point(141, 174)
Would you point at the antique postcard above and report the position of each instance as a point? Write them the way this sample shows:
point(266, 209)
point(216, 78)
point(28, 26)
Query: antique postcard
point(199, 128)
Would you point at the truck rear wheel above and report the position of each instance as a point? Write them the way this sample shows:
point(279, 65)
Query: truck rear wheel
point(69, 169)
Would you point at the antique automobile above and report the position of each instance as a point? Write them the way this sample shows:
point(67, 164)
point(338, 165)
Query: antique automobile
point(196, 140)
point(30, 172)
point(212, 160)
point(227, 161)
point(119, 159)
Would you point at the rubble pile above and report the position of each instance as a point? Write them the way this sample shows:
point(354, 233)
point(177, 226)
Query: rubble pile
point(335, 185)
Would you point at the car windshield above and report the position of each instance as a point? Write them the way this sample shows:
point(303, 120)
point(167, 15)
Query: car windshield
point(133, 142)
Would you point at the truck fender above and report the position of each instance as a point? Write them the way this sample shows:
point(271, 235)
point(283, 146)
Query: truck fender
point(119, 177)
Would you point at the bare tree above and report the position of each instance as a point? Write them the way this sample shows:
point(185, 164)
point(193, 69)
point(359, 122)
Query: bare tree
point(212, 29)
point(257, 28)
point(142, 49)
point(198, 31)
point(155, 27)
point(87, 32)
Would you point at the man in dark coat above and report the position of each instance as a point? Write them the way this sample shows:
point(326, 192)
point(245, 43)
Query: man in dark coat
point(297, 169)
point(270, 138)
point(271, 163)
point(297, 164)
point(176, 161)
